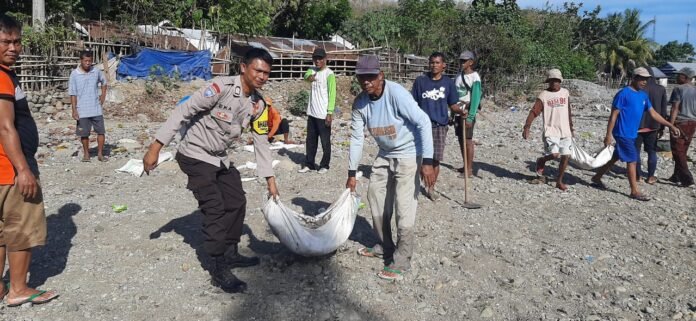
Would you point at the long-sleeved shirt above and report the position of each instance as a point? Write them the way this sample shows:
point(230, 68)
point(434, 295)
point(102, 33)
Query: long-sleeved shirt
point(213, 117)
point(469, 88)
point(400, 128)
point(322, 100)
point(658, 99)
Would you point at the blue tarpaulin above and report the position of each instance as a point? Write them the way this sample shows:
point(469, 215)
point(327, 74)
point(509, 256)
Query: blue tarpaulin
point(185, 65)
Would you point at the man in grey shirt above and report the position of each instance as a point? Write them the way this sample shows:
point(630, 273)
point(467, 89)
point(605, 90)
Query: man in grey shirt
point(683, 116)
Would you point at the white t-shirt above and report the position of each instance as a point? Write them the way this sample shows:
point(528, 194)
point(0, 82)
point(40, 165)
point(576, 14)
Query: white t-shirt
point(319, 97)
point(462, 90)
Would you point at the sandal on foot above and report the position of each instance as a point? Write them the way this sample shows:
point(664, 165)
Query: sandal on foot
point(369, 252)
point(103, 159)
point(86, 160)
point(40, 297)
point(390, 274)
point(651, 180)
point(640, 197)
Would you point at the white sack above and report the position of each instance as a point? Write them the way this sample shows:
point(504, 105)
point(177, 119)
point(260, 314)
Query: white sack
point(584, 160)
point(313, 235)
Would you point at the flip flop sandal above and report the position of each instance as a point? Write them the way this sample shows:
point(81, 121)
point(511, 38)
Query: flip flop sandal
point(368, 252)
point(86, 160)
point(104, 159)
point(33, 299)
point(390, 274)
point(640, 197)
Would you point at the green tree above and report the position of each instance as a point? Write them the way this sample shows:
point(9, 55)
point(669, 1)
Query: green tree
point(313, 19)
point(675, 52)
point(250, 17)
point(625, 46)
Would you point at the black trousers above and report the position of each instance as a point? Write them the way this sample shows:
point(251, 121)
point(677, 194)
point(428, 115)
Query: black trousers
point(220, 197)
point(316, 129)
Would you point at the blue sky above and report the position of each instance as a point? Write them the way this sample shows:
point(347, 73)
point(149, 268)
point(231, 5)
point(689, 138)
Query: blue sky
point(672, 15)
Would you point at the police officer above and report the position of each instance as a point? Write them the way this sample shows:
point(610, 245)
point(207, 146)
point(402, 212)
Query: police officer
point(212, 118)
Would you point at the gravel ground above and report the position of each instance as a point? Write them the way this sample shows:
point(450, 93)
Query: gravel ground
point(531, 253)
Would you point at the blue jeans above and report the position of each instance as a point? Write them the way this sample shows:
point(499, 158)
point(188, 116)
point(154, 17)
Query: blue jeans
point(649, 142)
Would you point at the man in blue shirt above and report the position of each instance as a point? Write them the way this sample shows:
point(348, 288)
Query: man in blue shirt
point(436, 93)
point(627, 111)
point(403, 133)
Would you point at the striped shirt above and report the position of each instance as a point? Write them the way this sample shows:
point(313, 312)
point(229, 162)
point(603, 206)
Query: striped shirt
point(85, 86)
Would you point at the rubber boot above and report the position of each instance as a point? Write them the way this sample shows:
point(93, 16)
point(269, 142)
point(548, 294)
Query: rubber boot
point(222, 277)
point(234, 259)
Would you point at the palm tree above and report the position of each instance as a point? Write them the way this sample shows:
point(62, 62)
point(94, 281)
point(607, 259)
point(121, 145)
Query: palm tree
point(626, 47)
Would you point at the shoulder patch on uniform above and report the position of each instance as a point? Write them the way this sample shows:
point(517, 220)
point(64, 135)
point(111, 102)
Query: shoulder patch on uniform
point(237, 91)
point(212, 90)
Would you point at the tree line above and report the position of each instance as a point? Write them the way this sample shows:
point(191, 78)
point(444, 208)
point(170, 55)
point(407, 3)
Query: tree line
point(580, 41)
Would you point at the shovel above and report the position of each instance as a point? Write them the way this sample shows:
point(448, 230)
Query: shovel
point(467, 204)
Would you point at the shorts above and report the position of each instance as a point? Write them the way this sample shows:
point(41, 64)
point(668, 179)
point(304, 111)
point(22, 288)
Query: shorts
point(22, 222)
point(439, 140)
point(558, 145)
point(283, 128)
point(458, 128)
point(626, 150)
point(85, 125)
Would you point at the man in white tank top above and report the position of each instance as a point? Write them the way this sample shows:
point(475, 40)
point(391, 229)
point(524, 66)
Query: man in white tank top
point(554, 104)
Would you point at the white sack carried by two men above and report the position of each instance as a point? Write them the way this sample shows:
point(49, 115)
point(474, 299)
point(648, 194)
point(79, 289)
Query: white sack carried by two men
point(584, 160)
point(313, 235)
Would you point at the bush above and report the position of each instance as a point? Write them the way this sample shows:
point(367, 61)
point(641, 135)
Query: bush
point(298, 102)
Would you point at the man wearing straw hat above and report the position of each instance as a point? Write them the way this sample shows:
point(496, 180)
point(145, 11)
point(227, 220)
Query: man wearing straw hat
point(404, 135)
point(553, 103)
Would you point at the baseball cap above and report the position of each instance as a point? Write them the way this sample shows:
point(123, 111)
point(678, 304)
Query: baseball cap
point(642, 72)
point(319, 52)
point(467, 55)
point(367, 65)
point(686, 71)
point(553, 74)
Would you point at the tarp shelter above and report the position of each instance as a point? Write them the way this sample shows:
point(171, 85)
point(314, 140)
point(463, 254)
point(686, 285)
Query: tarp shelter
point(185, 65)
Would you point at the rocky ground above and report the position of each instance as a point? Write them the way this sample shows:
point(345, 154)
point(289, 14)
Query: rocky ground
point(531, 253)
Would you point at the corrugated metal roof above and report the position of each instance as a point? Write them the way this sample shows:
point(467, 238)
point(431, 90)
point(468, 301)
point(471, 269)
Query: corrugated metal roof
point(672, 67)
point(657, 73)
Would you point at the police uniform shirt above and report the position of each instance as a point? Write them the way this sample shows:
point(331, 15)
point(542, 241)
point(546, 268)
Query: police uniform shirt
point(213, 117)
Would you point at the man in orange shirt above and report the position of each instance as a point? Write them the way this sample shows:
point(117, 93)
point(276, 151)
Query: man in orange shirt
point(278, 125)
point(22, 216)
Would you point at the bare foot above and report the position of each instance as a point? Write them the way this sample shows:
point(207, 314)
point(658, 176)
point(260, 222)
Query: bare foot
point(651, 180)
point(561, 186)
point(540, 167)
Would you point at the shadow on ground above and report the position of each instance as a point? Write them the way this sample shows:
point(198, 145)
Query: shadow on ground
point(284, 286)
point(50, 260)
point(291, 287)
